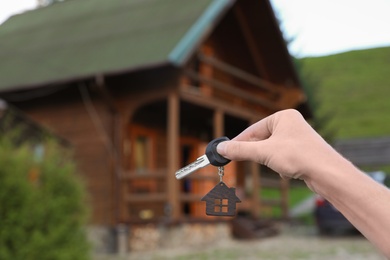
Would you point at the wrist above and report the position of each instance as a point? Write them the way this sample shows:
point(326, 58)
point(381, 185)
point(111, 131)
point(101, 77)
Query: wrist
point(327, 177)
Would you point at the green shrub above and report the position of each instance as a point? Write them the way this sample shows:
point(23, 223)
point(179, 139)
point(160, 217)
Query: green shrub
point(42, 205)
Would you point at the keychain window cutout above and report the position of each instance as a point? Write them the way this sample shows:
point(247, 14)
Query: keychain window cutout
point(221, 205)
point(221, 201)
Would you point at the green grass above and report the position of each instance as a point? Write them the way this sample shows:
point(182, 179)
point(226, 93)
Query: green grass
point(353, 90)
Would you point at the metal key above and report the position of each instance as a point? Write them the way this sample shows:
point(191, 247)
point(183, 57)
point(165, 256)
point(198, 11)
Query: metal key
point(210, 157)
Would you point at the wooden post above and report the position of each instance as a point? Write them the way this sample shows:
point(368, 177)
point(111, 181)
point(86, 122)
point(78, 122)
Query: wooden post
point(117, 168)
point(284, 186)
point(218, 125)
point(173, 153)
point(124, 120)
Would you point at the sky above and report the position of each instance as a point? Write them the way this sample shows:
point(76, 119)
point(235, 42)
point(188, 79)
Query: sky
point(324, 27)
point(316, 27)
point(9, 7)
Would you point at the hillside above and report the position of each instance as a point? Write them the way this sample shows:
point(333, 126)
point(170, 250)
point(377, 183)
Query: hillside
point(352, 89)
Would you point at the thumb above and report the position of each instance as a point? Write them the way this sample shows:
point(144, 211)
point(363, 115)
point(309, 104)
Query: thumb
point(243, 150)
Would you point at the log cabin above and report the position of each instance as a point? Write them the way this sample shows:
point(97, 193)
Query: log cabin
point(139, 88)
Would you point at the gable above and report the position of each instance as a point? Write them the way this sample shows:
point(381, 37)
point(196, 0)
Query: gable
point(80, 39)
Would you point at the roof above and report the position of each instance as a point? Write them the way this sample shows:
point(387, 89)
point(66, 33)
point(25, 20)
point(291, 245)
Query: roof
point(80, 39)
point(365, 151)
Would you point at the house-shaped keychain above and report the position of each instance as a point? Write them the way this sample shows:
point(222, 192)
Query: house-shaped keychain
point(221, 201)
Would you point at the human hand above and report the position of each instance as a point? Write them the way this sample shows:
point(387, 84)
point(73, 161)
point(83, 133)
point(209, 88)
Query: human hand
point(284, 142)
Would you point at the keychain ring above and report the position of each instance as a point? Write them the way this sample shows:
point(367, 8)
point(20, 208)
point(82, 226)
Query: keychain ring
point(220, 173)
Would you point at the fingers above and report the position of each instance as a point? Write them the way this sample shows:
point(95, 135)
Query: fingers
point(282, 121)
point(243, 151)
point(281, 141)
point(249, 145)
point(258, 131)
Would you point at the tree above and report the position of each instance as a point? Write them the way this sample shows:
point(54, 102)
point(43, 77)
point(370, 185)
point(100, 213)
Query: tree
point(42, 204)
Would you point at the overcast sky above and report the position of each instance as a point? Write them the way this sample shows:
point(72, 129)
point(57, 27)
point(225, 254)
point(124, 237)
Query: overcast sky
point(317, 27)
point(322, 27)
point(9, 7)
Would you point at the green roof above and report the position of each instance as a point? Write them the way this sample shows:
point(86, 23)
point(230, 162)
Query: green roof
point(78, 39)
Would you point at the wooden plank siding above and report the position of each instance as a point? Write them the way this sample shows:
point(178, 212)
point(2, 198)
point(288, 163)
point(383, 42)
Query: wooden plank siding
point(72, 122)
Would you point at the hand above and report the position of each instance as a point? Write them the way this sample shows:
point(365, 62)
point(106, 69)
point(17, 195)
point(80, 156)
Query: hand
point(284, 142)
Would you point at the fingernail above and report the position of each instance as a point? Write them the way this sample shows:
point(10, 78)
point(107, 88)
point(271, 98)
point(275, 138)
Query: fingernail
point(221, 147)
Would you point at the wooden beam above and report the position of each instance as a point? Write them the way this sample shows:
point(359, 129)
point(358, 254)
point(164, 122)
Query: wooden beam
point(219, 122)
point(173, 153)
point(156, 175)
point(252, 46)
point(188, 197)
point(285, 96)
point(215, 104)
point(119, 205)
point(241, 74)
point(145, 197)
point(121, 138)
point(198, 177)
point(129, 105)
point(221, 86)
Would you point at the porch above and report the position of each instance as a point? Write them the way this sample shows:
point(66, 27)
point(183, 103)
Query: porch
point(166, 130)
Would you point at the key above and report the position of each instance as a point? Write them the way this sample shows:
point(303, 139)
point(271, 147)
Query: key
point(210, 157)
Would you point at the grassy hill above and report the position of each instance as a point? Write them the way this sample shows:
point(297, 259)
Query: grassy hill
point(352, 90)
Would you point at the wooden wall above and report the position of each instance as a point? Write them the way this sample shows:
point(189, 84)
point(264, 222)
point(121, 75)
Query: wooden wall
point(68, 117)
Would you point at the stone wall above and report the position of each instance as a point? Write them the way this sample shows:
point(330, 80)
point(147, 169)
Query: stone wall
point(151, 236)
point(137, 238)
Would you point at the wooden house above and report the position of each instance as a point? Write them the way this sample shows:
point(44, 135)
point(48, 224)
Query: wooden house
point(140, 87)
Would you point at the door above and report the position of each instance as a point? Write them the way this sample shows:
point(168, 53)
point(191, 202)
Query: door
point(198, 184)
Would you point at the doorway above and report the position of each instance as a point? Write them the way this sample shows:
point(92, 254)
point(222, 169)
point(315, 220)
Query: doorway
point(188, 154)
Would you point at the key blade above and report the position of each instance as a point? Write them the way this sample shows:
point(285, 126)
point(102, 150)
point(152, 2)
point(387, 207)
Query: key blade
point(187, 170)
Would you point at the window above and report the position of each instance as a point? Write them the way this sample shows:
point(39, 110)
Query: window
point(141, 154)
point(221, 205)
point(143, 150)
point(39, 152)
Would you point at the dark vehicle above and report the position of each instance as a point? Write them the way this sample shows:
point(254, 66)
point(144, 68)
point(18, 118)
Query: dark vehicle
point(330, 221)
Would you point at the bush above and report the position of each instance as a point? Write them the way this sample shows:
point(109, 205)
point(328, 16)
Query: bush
point(42, 205)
